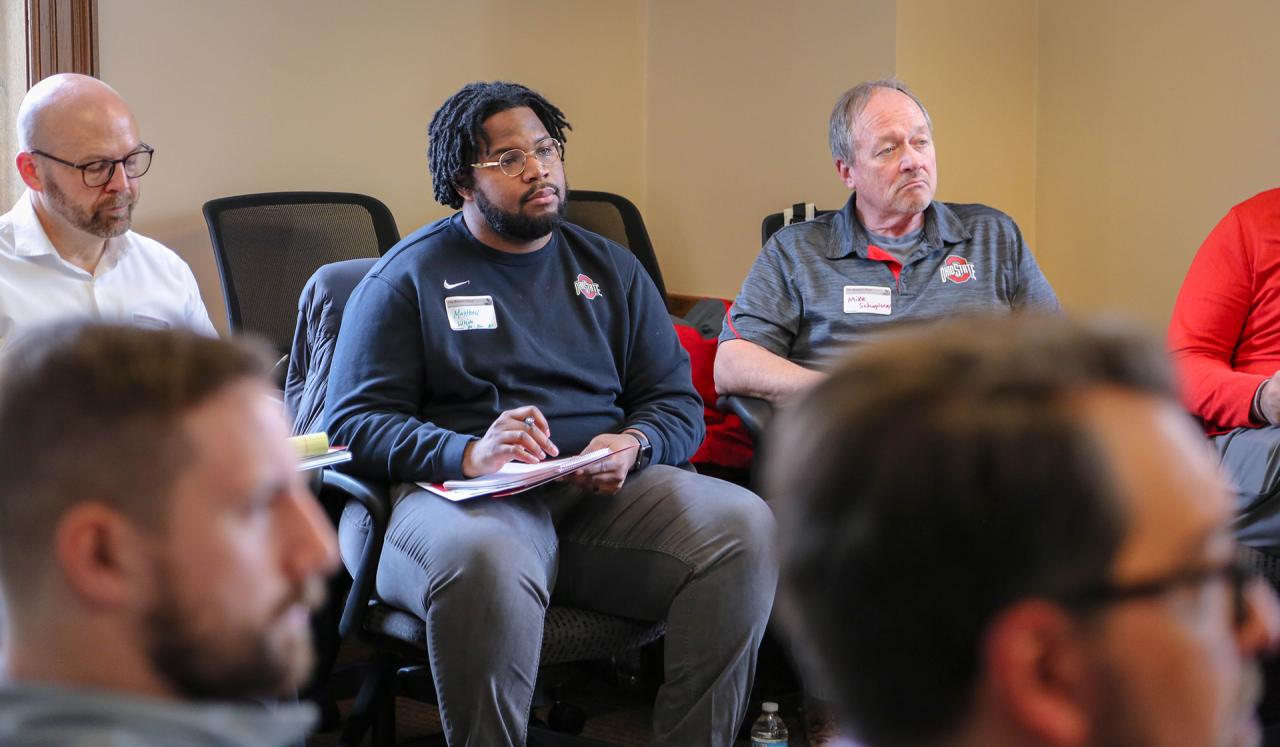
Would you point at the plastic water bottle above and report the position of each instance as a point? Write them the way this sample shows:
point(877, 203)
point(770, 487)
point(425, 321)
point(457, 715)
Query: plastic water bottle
point(769, 730)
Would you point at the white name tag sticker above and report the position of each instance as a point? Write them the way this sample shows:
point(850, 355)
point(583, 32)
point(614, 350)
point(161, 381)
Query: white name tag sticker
point(868, 299)
point(470, 312)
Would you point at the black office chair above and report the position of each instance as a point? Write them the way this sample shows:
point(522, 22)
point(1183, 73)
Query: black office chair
point(615, 217)
point(400, 666)
point(797, 213)
point(754, 412)
point(267, 245)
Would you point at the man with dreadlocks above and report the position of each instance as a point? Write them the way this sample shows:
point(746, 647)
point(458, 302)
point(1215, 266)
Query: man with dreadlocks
point(502, 333)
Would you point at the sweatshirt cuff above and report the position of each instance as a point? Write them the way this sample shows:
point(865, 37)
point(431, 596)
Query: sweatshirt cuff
point(451, 453)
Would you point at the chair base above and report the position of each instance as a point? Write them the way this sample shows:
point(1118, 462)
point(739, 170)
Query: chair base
point(373, 712)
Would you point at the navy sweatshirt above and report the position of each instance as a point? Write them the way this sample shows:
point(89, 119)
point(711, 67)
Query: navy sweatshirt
point(445, 333)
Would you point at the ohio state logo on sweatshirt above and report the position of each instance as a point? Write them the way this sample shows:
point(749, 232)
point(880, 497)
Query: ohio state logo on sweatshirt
point(956, 269)
point(584, 286)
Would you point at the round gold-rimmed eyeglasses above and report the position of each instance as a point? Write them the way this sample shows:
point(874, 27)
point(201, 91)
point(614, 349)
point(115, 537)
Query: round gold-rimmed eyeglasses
point(512, 162)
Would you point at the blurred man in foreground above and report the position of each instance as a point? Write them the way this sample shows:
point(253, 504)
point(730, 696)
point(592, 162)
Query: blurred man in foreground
point(159, 554)
point(1033, 546)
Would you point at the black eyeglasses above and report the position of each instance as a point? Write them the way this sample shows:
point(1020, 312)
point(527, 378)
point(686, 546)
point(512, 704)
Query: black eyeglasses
point(1235, 573)
point(98, 173)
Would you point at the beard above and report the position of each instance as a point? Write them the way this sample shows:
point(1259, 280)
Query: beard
point(517, 225)
point(202, 663)
point(95, 221)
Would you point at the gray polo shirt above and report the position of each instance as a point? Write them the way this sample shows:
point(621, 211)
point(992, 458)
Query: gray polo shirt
point(821, 285)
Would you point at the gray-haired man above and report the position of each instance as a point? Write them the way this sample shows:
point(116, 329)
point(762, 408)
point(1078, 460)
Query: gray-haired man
point(892, 254)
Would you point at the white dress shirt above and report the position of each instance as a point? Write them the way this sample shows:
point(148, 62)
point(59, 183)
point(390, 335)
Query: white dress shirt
point(137, 281)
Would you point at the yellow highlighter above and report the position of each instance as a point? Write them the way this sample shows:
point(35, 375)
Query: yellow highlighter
point(310, 444)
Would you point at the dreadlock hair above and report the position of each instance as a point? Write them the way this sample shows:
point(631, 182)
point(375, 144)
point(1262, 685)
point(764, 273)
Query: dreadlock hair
point(457, 128)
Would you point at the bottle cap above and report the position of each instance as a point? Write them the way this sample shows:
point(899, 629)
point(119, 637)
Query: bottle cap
point(769, 707)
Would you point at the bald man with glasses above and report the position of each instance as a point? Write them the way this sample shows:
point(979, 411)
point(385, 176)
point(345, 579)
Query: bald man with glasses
point(66, 248)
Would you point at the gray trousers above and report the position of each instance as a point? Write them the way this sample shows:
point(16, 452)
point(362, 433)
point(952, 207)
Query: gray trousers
point(1251, 460)
point(671, 545)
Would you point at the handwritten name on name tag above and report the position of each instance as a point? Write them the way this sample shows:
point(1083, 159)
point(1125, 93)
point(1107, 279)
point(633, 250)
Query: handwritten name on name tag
point(470, 312)
point(868, 299)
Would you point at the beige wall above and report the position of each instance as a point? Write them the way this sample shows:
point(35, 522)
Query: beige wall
point(1155, 117)
point(733, 74)
point(1115, 133)
point(247, 96)
point(739, 92)
point(974, 66)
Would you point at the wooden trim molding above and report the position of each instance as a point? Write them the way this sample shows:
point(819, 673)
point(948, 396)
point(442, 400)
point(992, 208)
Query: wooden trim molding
point(62, 37)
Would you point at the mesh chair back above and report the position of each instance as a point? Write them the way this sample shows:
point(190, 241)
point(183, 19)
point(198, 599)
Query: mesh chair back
point(617, 218)
point(268, 245)
point(797, 213)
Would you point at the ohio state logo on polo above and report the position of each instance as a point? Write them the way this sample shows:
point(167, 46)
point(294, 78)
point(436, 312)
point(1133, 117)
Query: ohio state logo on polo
point(584, 286)
point(956, 269)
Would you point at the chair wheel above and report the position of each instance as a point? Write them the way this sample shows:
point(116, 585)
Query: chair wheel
point(566, 718)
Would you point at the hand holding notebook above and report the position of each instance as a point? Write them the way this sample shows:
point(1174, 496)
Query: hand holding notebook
point(516, 477)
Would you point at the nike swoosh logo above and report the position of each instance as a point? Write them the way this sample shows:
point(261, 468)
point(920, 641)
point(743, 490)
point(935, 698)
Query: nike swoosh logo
point(450, 286)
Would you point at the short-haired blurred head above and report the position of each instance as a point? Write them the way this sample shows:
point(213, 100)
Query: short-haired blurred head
point(150, 503)
point(91, 412)
point(929, 482)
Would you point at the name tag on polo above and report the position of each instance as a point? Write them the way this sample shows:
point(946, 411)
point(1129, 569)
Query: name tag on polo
point(868, 299)
point(470, 312)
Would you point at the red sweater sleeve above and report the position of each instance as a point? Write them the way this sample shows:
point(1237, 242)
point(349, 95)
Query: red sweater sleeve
point(1209, 317)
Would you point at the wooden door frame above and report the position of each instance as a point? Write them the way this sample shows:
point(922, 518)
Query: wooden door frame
point(62, 37)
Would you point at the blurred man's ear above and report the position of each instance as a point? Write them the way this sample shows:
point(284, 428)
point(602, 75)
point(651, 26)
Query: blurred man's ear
point(102, 556)
point(1036, 670)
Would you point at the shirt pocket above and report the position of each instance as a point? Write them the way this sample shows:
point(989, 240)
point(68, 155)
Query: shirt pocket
point(150, 321)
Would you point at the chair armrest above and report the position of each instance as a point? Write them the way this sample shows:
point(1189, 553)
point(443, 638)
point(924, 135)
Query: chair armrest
point(754, 412)
point(280, 372)
point(373, 497)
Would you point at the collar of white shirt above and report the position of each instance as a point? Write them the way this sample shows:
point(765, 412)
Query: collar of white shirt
point(30, 239)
